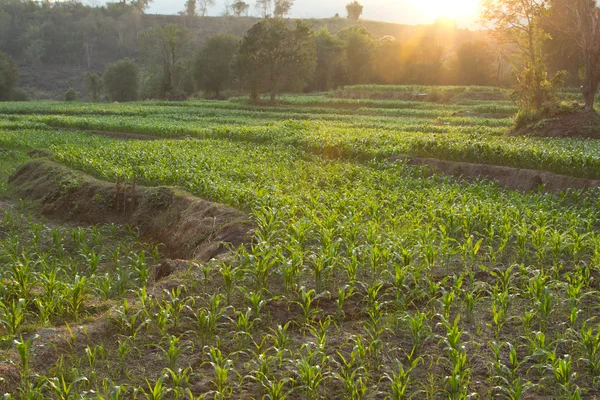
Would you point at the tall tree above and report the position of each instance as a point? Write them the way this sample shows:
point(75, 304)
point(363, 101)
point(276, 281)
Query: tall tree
point(474, 63)
point(240, 8)
point(330, 53)
point(274, 57)
point(165, 46)
point(214, 63)
point(203, 6)
point(580, 21)
point(9, 76)
point(359, 54)
point(264, 7)
point(518, 22)
point(190, 8)
point(354, 10)
point(282, 7)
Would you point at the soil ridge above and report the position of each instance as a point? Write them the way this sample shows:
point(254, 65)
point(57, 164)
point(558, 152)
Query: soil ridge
point(189, 227)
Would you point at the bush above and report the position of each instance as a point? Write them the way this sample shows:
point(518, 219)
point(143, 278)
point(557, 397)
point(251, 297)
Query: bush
point(71, 95)
point(121, 80)
point(18, 94)
point(9, 76)
point(93, 87)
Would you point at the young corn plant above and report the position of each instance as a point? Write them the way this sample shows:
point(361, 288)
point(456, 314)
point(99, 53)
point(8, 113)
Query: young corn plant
point(158, 391)
point(400, 381)
point(222, 368)
point(12, 316)
point(129, 321)
point(508, 377)
point(457, 382)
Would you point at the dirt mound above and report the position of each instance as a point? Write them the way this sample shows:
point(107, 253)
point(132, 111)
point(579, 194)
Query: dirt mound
point(581, 124)
point(189, 227)
point(10, 377)
point(523, 180)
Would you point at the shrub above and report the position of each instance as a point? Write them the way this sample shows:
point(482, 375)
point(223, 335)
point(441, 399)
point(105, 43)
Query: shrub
point(71, 95)
point(121, 80)
point(93, 87)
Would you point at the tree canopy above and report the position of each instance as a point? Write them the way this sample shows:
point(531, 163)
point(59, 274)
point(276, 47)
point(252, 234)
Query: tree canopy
point(9, 76)
point(274, 57)
point(214, 63)
point(354, 10)
point(121, 80)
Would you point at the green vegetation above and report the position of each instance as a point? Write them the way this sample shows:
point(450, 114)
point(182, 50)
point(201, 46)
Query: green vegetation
point(273, 58)
point(214, 64)
point(9, 76)
point(364, 277)
point(121, 80)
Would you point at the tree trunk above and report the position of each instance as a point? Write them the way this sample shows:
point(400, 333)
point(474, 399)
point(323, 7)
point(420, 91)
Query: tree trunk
point(590, 83)
point(254, 95)
point(273, 96)
point(589, 97)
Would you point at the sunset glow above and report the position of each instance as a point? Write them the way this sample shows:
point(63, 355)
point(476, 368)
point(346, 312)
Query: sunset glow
point(453, 8)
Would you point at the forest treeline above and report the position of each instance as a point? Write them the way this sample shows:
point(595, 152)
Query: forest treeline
point(177, 59)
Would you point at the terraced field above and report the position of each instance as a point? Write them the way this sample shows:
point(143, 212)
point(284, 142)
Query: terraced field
point(362, 278)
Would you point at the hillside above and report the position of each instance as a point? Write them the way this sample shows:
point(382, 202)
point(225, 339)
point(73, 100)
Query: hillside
point(86, 39)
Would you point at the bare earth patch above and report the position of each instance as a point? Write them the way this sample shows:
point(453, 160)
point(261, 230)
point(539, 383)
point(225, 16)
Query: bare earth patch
point(523, 180)
point(581, 124)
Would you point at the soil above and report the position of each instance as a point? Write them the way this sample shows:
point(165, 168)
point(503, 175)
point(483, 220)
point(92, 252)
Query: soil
point(118, 135)
point(10, 377)
point(188, 226)
point(580, 124)
point(126, 135)
point(523, 180)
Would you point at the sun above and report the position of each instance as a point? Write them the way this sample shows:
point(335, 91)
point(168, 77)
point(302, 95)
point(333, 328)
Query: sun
point(453, 8)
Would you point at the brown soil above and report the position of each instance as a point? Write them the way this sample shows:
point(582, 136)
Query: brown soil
point(10, 377)
point(126, 135)
point(523, 180)
point(116, 135)
point(581, 124)
point(188, 226)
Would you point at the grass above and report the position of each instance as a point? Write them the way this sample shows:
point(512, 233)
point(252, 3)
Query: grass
point(364, 278)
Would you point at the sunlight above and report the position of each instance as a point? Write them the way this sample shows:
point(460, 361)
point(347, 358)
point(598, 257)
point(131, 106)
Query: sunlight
point(453, 8)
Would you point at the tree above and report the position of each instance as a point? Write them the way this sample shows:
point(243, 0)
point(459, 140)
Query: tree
point(474, 62)
point(388, 60)
point(282, 8)
point(121, 80)
point(214, 63)
point(265, 7)
point(140, 5)
point(518, 22)
point(165, 46)
point(190, 8)
point(240, 8)
point(354, 10)
point(34, 54)
point(203, 6)
point(93, 87)
point(359, 54)
point(330, 53)
point(580, 21)
point(9, 76)
point(273, 57)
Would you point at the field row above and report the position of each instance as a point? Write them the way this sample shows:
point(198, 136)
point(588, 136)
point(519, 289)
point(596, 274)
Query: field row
point(384, 273)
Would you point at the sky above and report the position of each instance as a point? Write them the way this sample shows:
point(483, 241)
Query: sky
point(399, 11)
